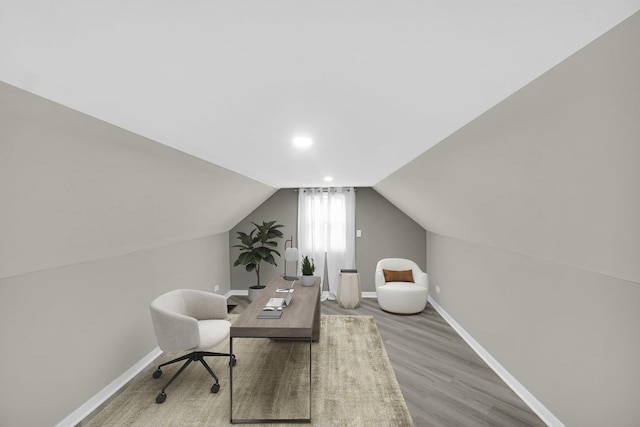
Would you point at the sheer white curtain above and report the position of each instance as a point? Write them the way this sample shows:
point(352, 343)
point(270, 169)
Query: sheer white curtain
point(326, 230)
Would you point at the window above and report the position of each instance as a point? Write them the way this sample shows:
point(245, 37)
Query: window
point(326, 230)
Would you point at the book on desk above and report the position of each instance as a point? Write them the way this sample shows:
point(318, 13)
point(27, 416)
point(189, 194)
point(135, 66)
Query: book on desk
point(270, 314)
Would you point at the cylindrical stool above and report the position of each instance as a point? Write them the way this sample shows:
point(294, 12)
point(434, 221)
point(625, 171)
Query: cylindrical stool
point(348, 294)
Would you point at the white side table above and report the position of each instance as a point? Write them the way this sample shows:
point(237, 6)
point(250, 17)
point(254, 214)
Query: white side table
point(349, 292)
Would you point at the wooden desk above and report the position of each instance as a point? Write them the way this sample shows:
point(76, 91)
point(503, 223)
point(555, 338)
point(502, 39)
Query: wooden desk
point(300, 320)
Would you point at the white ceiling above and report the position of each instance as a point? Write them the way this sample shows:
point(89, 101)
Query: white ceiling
point(375, 83)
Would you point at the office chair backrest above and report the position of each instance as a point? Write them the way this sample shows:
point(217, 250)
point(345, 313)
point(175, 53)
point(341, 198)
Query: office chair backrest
point(176, 329)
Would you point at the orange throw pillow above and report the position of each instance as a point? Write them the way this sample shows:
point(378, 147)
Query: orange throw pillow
point(398, 276)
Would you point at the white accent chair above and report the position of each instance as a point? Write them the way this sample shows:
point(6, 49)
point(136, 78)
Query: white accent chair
point(190, 320)
point(401, 296)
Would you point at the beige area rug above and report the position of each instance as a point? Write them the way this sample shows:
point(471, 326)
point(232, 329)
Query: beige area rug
point(353, 384)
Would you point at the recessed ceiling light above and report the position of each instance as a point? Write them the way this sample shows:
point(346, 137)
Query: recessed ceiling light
point(302, 141)
point(328, 178)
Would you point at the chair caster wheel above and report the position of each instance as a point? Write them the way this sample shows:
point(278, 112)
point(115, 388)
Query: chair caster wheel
point(215, 388)
point(161, 397)
point(157, 373)
point(232, 362)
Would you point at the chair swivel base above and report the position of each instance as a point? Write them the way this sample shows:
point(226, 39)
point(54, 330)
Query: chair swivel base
point(191, 357)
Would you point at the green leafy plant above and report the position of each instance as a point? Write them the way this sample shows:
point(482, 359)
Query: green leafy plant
point(258, 246)
point(308, 267)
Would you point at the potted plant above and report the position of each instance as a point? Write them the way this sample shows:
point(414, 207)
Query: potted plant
point(258, 246)
point(308, 268)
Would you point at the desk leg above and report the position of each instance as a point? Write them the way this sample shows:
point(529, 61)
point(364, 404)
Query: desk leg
point(230, 381)
point(310, 378)
point(315, 333)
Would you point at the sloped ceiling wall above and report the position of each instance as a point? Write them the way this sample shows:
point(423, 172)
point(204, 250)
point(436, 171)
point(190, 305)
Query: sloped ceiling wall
point(533, 233)
point(95, 222)
point(552, 172)
point(75, 189)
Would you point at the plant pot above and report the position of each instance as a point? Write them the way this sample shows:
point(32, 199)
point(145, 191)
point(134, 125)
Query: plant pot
point(254, 291)
point(308, 280)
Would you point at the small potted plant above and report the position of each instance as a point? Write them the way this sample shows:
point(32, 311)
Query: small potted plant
point(308, 268)
point(258, 246)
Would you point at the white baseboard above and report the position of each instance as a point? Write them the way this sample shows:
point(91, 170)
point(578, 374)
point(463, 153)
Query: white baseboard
point(103, 395)
point(240, 292)
point(90, 406)
point(236, 292)
point(110, 390)
point(536, 406)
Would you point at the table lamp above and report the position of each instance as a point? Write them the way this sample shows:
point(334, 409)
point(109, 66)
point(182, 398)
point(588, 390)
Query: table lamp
point(290, 254)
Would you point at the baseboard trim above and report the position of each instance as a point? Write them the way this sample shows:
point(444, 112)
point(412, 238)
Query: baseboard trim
point(240, 292)
point(104, 395)
point(236, 292)
point(536, 406)
point(90, 406)
point(99, 399)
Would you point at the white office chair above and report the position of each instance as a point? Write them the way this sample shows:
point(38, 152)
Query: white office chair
point(406, 291)
point(190, 320)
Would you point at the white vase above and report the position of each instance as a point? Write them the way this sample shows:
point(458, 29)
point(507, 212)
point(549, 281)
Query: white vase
point(308, 280)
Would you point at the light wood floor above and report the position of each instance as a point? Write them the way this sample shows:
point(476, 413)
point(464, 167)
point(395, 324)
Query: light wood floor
point(444, 382)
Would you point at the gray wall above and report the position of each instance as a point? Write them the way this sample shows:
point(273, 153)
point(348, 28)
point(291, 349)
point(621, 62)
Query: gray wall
point(94, 223)
point(386, 232)
point(68, 332)
point(281, 207)
point(534, 235)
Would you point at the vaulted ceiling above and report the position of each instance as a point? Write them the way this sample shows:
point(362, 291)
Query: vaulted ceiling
point(374, 83)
